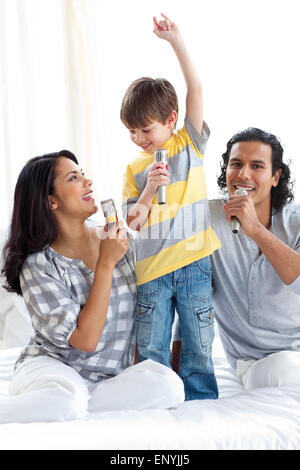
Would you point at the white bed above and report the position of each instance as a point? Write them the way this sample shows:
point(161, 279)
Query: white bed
point(261, 419)
point(266, 418)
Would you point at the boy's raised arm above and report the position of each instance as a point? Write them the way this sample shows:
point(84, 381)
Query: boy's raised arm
point(168, 30)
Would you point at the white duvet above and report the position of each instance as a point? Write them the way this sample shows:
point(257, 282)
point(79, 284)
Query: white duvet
point(267, 418)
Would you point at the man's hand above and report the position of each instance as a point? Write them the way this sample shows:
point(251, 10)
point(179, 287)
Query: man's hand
point(285, 260)
point(243, 208)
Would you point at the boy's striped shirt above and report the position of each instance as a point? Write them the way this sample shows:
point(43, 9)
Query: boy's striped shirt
point(179, 232)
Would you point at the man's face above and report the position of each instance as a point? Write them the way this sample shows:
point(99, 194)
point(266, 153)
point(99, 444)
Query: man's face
point(250, 167)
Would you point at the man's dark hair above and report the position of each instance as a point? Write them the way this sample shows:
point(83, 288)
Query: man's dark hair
point(282, 193)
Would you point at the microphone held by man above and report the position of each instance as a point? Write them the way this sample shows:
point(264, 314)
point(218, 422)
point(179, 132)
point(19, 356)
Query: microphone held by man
point(235, 223)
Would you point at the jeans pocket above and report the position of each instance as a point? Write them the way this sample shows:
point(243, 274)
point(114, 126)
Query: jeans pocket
point(143, 318)
point(204, 267)
point(200, 287)
point(206, 317)
point(149, 288)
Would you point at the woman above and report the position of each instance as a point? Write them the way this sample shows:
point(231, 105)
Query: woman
point(80, 290)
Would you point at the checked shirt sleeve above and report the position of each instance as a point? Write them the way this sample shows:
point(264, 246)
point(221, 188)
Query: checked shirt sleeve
point(48, 300)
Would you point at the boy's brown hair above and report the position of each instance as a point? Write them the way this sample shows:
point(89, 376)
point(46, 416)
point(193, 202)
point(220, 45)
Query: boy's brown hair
point(146, 100)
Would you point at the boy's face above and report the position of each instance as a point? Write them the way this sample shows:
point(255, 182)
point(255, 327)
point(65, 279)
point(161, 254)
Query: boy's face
point(153, 136)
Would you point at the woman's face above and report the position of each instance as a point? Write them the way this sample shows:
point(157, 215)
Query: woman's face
point(73, 192)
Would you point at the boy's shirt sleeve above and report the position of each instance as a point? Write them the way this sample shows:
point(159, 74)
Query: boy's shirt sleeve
point(130, 192)
point(198, 139)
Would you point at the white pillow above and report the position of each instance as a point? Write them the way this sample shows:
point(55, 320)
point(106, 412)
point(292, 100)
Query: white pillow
point(5, 301)
point(17, 328)
point(15, 322)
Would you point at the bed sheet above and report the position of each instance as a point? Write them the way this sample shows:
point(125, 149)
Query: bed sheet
point(265, 419)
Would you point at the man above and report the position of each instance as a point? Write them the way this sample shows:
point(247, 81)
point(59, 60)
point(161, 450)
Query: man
point(256, 273)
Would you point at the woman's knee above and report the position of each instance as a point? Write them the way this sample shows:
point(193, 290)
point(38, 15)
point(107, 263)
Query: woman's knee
point(70, 398)
point(170, 387)
point(59, 391)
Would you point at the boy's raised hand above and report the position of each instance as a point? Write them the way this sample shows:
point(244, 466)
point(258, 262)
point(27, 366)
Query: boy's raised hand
point(165, 29)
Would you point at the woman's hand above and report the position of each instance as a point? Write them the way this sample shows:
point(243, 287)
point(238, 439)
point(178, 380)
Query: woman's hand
point(113, 245)
point(92, 317)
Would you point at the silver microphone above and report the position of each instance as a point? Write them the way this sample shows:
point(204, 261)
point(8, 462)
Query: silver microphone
point(235, 223)
point(109, 212)
point(161, 156)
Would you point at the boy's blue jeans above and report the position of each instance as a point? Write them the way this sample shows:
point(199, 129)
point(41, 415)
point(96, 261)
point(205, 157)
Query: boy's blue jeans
point(189, 290)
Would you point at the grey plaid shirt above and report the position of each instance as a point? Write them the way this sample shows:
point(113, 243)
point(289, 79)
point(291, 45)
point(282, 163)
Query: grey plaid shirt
point(55, 289)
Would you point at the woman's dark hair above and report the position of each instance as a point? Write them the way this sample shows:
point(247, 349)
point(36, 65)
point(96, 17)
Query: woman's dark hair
point(33, 226)
point(282, 193)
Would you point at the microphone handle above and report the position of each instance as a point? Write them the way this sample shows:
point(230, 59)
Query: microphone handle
point(235, 225)
point(162, 195)
point(161, 156)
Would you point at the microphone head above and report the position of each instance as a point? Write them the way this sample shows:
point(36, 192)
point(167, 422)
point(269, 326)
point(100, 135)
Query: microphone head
point(235, 223)
point(161, 155)
point(109, 210)
point(241, 192)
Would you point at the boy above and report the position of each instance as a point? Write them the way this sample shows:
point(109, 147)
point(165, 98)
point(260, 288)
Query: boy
point(174, 240)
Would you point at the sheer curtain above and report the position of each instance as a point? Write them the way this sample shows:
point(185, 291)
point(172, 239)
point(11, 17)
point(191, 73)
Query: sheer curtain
point(34, 116)
point(65, 65)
